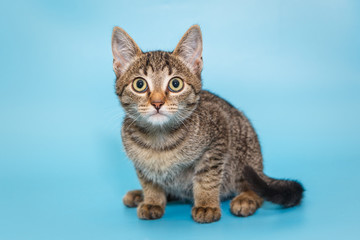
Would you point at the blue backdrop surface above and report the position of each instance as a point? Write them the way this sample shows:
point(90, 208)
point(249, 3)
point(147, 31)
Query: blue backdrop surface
point(292, 66)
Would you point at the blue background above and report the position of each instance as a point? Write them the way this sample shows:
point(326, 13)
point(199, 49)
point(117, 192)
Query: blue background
point(292, 66)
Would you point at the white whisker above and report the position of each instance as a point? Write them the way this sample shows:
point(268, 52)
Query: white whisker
point(133, 121)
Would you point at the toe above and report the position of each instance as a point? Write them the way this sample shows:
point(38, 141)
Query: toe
point(133, 198)
point(206, 214)
point(149, 211)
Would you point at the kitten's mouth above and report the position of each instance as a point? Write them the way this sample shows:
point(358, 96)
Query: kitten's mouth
point(158, 113)
point(158, 118)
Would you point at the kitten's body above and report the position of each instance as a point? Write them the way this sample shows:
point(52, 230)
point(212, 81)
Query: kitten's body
point(168, 162)
point(187, 143)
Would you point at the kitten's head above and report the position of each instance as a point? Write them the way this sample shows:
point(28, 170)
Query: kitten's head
point(158, 88)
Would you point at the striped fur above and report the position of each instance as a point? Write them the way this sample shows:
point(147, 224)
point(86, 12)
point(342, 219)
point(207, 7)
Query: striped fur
point(198, 145)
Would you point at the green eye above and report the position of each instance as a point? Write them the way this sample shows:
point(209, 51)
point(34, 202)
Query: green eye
point(176, 85)
point(139, 85)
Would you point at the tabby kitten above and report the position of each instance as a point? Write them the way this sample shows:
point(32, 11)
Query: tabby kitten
point(187, 143)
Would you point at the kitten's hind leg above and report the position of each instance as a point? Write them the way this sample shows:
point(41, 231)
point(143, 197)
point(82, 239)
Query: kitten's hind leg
point(133, 198)
point(245, 204)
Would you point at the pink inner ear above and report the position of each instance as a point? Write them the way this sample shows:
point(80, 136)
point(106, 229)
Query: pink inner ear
point(196, 59)
point(196, 55)
point(117, 65)
point(198, 64)
point(119, 60)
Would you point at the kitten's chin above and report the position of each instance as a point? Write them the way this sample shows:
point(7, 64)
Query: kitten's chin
point(158, 119)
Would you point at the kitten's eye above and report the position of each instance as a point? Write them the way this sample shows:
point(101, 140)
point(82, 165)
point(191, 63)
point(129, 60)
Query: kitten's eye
point(176, 85)
point(139, 85)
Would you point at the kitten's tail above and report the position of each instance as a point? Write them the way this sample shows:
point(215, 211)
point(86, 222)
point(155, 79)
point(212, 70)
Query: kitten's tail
point(287, 193)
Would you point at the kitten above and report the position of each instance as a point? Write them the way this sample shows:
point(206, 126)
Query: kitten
point(185, 142)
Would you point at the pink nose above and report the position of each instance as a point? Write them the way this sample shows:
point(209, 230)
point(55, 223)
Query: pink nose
point(157, 105)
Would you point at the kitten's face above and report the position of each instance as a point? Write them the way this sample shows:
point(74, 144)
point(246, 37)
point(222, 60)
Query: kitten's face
point(158, 88)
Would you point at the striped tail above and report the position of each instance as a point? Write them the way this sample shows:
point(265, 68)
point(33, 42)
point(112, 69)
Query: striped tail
point(287, 193)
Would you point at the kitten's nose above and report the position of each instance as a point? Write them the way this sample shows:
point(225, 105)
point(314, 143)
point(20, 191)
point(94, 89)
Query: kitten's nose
point(157, 99)
point(157, 105)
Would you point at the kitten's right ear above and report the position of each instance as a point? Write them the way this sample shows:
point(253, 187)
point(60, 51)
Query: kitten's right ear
point(124, 50)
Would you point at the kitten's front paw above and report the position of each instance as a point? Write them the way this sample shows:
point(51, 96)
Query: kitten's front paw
point(133, 198)
point(150, 211)
point(206, 214)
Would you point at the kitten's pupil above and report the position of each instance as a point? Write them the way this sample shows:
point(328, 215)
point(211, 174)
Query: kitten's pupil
point(140, 84)
point(175, 83)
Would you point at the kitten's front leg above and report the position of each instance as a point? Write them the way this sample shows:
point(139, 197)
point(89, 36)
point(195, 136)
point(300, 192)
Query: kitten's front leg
point(153, 205)
point(206, 187)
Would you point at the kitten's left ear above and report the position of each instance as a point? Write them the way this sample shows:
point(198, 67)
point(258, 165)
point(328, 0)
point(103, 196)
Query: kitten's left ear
point(189, 49)
point(124, 50)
